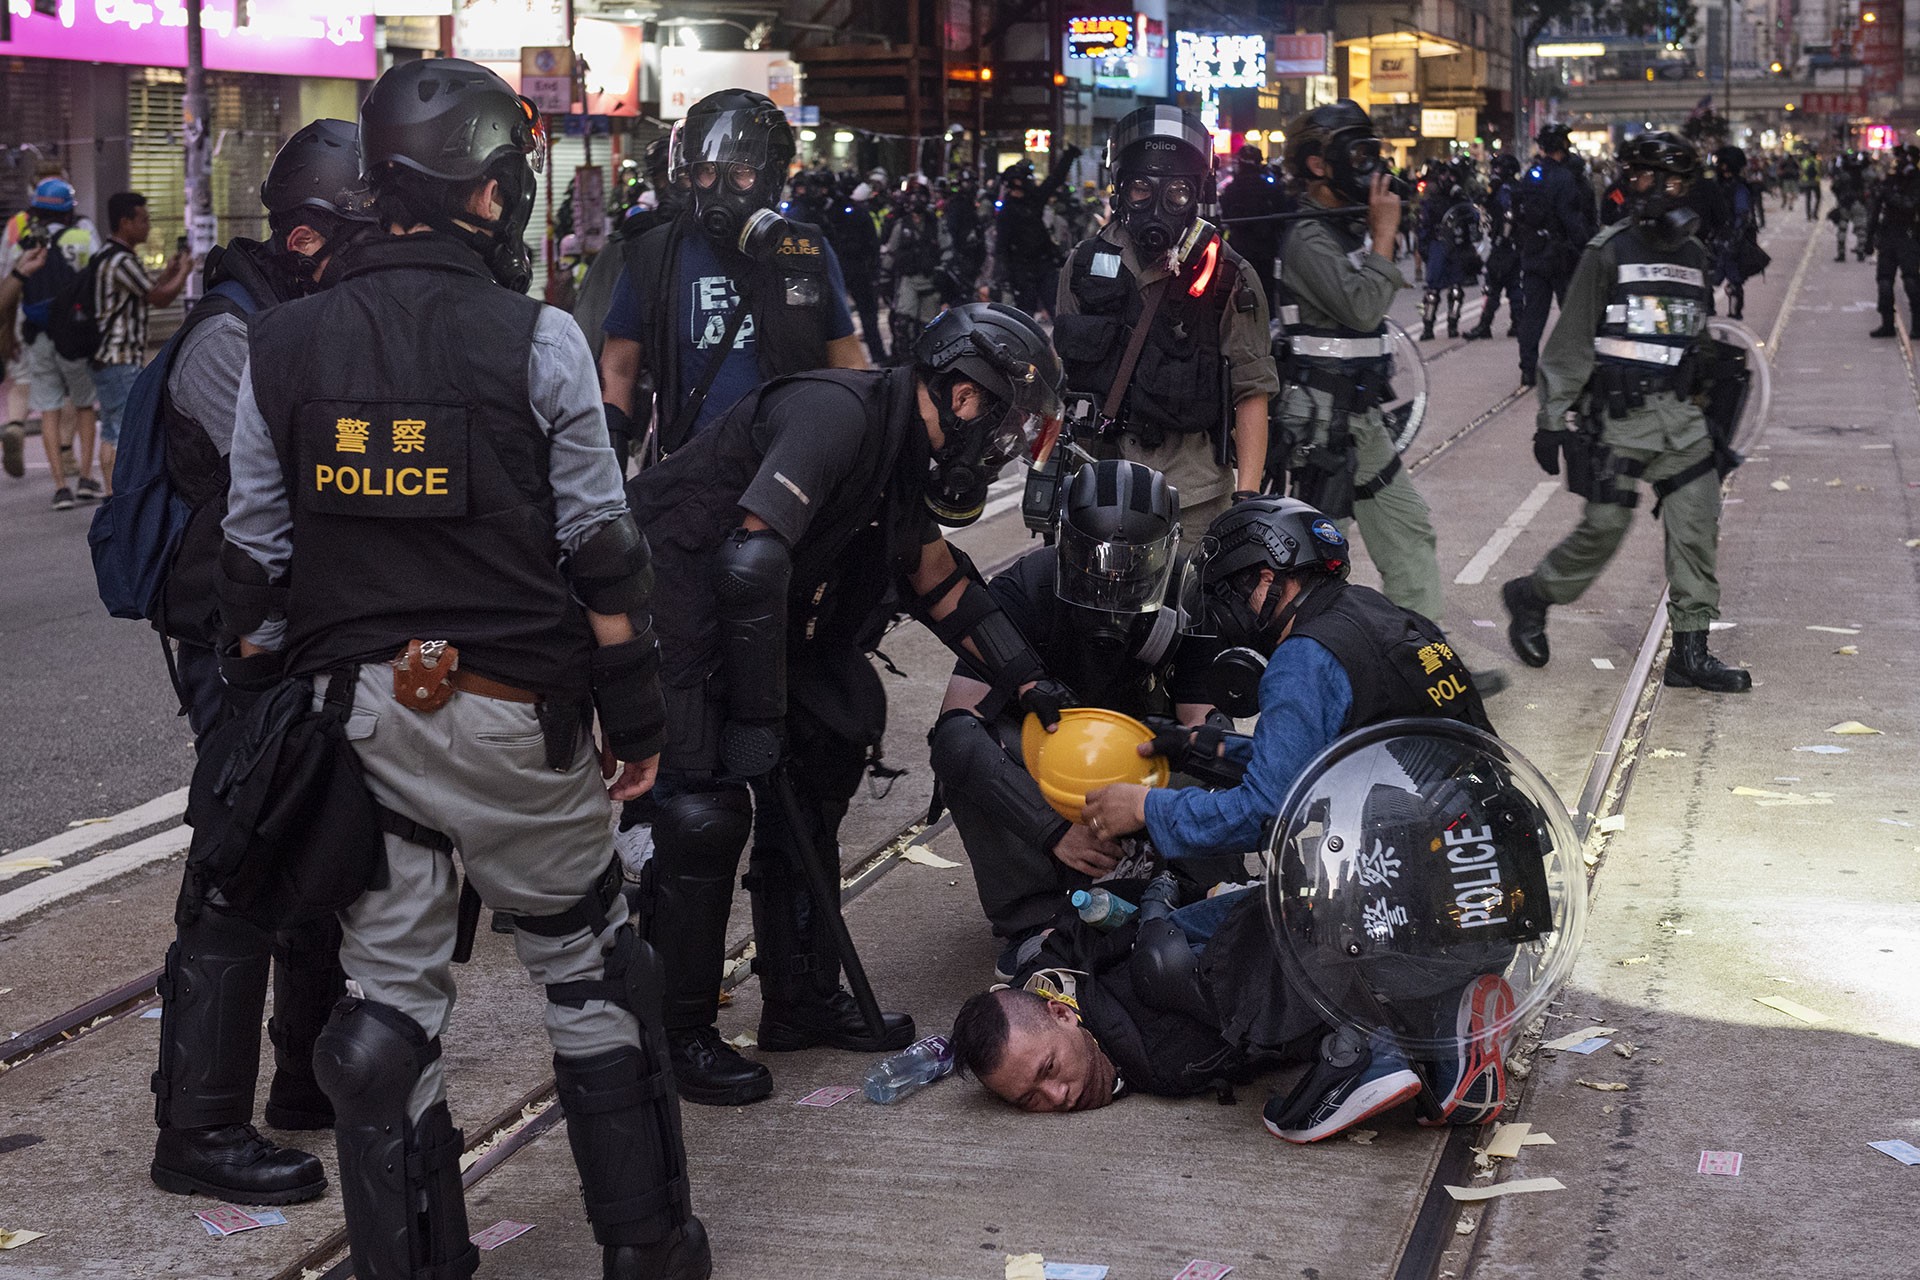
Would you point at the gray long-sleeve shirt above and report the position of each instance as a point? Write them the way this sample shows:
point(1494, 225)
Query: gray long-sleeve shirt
point(208, 371)
point(564, 394)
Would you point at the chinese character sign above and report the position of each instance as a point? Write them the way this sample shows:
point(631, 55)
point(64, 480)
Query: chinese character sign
point(274, 37)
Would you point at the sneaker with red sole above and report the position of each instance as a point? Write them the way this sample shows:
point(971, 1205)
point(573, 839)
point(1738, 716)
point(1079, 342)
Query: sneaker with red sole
point(1470, 1086)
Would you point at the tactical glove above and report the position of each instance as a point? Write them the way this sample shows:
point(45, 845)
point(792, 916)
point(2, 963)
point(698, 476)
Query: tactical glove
point(1546, 450)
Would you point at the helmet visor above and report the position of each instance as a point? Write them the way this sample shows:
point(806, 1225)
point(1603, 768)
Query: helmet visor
point(1022, 433)
point(724, 138)
point(1113, 577)
point(536, 150)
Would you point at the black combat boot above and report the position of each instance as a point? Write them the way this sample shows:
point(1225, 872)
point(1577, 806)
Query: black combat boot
point(1886, 329)
point(1690, 666)
point(802, 1001)
point(307, 983)
point(1841, 256)
point(696, 850)
point(1527, 628)
point(213, 991)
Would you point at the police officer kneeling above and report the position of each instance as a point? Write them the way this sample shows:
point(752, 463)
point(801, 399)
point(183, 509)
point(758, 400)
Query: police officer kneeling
point(787, 538)
point(1106, 609)
point(425, 510)
point(1630, 340)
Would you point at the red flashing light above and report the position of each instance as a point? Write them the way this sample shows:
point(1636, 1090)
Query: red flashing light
point(1205, 278)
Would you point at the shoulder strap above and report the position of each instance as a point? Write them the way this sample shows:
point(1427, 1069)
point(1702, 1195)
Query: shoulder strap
point(689, 410)
point(1110, 407)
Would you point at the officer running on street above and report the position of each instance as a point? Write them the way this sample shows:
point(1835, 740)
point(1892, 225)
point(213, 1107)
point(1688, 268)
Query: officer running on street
point(787, 538)
point(1334, 444)
point(1896, 238)
point(426, 520)
point(1105, 608)
point(730, 294)
point(1166, 324)
point(1625, 351)
point(1553, 215)
point(214, 990)
point(1448, 235)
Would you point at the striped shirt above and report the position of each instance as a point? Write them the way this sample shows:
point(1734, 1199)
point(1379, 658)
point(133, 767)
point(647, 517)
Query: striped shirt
point(120, 302)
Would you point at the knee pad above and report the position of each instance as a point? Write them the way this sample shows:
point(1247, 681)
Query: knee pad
point(1166, 973)
point(969, 761)
point(702, 825)
point(368, 1059)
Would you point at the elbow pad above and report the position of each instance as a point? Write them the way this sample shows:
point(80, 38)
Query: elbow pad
point(612, 571)
point(625, 678)
point(1002, 654)
point(248, 600)
point(973, 767)
point(756, 572)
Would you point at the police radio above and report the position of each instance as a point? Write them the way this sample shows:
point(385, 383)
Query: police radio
point(1047, 480)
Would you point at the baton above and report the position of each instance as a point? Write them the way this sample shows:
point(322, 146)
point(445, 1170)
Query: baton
point(826, 897)
point(1300, 215)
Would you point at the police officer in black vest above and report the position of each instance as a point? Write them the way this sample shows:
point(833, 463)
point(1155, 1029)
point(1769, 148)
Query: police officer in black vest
point(215, 985)
point(1023, 262)
point(1255, 194)
point(426, 520)
point(1552, 216)
point(729, 294)
point(1158, 296)
point(603, 277)
point(787, 538)
point(1106, 608)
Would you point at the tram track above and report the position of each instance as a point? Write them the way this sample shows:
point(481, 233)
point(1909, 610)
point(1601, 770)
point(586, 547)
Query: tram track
point(517, 1126)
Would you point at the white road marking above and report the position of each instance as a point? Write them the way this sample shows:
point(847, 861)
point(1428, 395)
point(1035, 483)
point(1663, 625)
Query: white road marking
point(1483, 560)
point(94, 871)
point(167, 808)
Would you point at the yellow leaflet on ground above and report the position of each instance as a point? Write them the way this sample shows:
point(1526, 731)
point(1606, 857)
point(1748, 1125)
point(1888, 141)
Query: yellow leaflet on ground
point(1852, 727)
point(1507, 1140)
point(1519, 1187)
point(1780, 484)
point(1792, 1008)
point(1848, 651)
point(1604, 1086)
point(926, 859)
point(1026, 1266)
point(14, 1239)
point(742, 1041)
point(1539, 1140)
point(1836, 631)
point(11, 867)
point(1573, 1038)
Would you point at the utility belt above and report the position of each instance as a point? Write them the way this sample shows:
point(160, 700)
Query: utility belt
point(1324, 473)
point(1622, 388)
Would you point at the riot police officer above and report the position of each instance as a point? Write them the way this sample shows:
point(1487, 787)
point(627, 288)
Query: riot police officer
point(1626, 350)
point(1895, 234)
point(729, 294)
point(788, 537)
point(1552, 216)
point(966, 234)
point(1449, 229)
point(1850, 205)
point(1166, 324)
point(1503, 256)
point(912, 254)
point(426, 520)
point(1255, 195)
point(1023, 262)
point(215, 984)
point(1106, 608)
point(1333, 444)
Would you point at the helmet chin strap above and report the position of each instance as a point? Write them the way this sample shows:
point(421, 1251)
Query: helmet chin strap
point(1270, 627)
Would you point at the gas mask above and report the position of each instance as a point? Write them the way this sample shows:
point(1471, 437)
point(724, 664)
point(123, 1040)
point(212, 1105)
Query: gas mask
point(1663, 217)
point(971, 455)
point(740, 220)
point(498, 240)
point(1157, 210)
point(1353, 160)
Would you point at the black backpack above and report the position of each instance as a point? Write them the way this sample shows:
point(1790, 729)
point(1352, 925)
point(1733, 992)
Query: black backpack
point(72, 319)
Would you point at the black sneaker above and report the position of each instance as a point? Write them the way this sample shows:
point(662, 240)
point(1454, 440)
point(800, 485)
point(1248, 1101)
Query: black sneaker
point(12, 449)
point(1335, 1096)
point(87, 489)
point(63, 499)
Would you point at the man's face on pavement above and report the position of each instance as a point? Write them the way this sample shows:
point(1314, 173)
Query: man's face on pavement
point(1052, 1064)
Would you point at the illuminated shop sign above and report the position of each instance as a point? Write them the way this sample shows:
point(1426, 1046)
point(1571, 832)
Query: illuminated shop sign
point(1109, 37)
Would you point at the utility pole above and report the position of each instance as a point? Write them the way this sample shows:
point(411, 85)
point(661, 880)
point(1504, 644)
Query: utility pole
point(195, 126)
point(1726, 79)
point(1518, 88)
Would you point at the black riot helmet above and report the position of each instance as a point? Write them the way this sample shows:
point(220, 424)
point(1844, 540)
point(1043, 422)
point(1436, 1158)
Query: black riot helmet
point(915, 194)
point(1660, 211)
point(432, 128)
point(732, 151)
point(1730, 160)
point(1159, 160)
point(1284, 535)
point(1554, 137)
point(1505, 166)
point(1341, 133)
point(1249, 157)
point(314, 181)
point(1118, 528)
point(658, 157)
point(1001, 350)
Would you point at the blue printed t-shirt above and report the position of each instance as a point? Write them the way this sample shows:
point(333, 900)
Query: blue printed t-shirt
point(707, 299)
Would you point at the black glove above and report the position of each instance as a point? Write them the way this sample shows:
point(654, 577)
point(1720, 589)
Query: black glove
point(1045, 699)
point(1194, 751)
point(1546, 450)
point(1068, 156)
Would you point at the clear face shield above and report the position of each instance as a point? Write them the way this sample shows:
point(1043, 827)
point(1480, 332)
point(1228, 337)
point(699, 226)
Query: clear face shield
point(1112, 577)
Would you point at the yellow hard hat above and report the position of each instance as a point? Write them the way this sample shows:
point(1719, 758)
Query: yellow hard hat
point(1092, 748)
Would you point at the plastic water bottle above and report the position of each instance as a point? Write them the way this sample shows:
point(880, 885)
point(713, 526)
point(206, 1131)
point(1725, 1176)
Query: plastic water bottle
point(1103, 910)
point(910, 1070)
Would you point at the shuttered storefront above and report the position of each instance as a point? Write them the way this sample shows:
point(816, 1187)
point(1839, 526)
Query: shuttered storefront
point(35, 121)
point(245, 117)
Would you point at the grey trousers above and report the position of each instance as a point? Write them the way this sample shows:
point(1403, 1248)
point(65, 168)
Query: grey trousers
point(532, 840)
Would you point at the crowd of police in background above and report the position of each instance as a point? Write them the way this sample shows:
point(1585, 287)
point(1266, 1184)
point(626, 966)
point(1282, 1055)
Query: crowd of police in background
point(491, 552)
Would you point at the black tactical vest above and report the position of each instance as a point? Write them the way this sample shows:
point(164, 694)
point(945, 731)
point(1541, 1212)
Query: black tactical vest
point(1398, 662)
point(788, 297)
point(1179, 384)
point(189, 599)
point(1657, 303)
point(416, 469)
